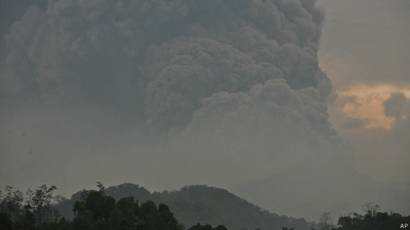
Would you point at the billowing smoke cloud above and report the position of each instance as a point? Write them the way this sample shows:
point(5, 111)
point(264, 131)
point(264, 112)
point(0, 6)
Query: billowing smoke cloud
point(161, 59)
point(233, 87)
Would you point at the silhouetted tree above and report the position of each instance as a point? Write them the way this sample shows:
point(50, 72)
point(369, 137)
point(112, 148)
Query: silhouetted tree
point(325, 222)
point(96, 210)
point(285, 228)
point(12, 203)
point(373, 219)
point(40, 202)
point(5, 221)
point(207, 227)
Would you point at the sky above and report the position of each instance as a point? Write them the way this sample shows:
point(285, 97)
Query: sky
point(240, 104)
point(368, 39)
point(364, 44)
point(365, 52)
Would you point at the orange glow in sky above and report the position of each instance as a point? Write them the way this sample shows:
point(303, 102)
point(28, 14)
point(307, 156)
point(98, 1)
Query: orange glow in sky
point(366, 103)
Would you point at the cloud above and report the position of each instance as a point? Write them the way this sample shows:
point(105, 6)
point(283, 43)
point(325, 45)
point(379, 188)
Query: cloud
point(64, 50)
point(272, 104)
point(216, 92)
point(397, 106)
point(182, 73)
point(367, 103)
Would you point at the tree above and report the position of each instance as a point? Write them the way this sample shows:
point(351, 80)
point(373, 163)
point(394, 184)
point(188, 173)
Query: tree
point(12, 203)
point(96, 210)
point(5, 221)
point(285, 228)
point(325, 222)
point(372, 220)
point(370, 208)
point(93, 211)
point(207, 227)
point(40, 202)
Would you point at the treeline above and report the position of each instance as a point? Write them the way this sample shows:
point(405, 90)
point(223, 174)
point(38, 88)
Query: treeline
point(94, 211)
point(373, 220)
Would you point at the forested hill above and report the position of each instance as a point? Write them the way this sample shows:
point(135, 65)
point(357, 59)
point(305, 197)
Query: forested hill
point(202, 204)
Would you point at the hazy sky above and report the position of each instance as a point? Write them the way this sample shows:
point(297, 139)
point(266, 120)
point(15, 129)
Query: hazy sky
point(365, 52)
point(367, 41)
point(365, 46)
point(244, 107)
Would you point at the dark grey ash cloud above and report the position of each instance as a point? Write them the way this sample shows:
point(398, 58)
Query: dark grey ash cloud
point(232, 87)
point(162, 58)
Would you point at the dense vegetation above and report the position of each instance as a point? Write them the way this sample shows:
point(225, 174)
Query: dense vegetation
point(94, 211)
point(202, 204)
point(97, 210)
point(373, 220)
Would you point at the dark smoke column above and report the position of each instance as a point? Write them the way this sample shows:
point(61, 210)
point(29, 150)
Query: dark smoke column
point(159, 60)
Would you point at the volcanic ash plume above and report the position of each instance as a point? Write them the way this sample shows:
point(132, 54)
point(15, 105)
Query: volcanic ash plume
point(160, 60)
point(232, 84)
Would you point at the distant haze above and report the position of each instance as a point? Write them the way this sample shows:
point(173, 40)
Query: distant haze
point(365, 51)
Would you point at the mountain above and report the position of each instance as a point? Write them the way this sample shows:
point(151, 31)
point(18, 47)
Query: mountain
point(202, 204)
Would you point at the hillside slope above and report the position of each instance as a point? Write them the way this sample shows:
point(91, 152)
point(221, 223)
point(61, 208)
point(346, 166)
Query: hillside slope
point(202, 204)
